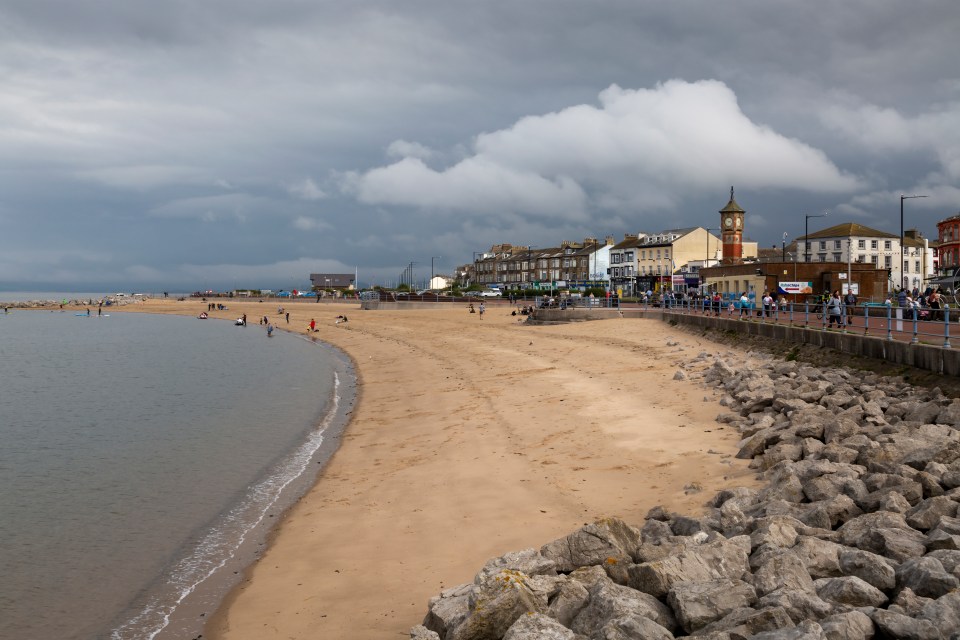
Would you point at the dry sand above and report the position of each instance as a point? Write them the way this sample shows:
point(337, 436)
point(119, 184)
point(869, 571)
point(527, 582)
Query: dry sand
point(472, 438)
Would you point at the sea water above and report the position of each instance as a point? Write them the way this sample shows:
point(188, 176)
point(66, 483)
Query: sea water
point(139, 456)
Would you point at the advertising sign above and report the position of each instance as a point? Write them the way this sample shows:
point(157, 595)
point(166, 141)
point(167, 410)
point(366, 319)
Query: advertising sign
point(854, 286)
point(798, 288)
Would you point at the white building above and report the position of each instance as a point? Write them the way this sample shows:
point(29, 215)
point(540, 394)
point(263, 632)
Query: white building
point(852, 242)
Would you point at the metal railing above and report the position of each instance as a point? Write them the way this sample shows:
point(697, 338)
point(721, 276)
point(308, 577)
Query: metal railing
point(927, 325)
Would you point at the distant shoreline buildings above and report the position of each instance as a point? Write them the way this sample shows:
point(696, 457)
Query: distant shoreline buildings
point(844, 256)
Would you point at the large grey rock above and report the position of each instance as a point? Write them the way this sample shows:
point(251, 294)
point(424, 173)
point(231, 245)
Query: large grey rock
point(420, 632)
point(849, 625)
point(897, 544)
point(853, 531)
point(448, 609)
point(799, 605)
point(908, 603)
point(774, 532)
point(529, 561)
point(939, 539)
point(632, 628)
point(873, 569)
point(697, 604)
point(829, 485)
point(820, 557)
point(783, 571)
point(806, 630)
point(945, 613)
point(927, 514)
point(949, 558)
point(594, 544)
point(724, 558)
point(896, 625)
point(609, 601)
point(568, 602)
point(926, 577)
point(833, 512)
point(535, 626)
point(744, 623)
point(495, 605)
point(849, 590)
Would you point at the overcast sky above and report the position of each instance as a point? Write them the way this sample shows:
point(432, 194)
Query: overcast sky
point(193, 144)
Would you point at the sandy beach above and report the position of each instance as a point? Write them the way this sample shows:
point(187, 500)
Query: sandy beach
point(472, 438)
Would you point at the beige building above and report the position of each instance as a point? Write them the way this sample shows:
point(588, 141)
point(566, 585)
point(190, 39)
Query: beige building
point(669, 259)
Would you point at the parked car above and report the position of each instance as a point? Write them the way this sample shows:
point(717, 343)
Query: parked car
point(491, 293)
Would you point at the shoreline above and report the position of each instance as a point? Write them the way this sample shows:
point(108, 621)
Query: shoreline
point(458, 449)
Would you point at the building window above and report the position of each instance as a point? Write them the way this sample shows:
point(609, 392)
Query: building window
point(822, 257)
point(823, 245)
point(886, 245)
point(836, 257)
point(887, 261)
point(861, 258)
point(629, 256)
point(874, 260)
point(658, 254)
point(836, 244)
point(917, 268)
point(643, 254)
point(861, 244)
point(873, 244)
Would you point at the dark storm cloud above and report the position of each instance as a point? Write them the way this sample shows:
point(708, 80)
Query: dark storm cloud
point(247, 143)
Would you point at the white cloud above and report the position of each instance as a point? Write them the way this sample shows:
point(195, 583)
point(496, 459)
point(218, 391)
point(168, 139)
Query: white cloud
point(404, 149)
point(306, 189)
point(640, 148)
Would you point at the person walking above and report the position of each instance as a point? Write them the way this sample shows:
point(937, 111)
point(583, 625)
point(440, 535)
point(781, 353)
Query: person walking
point(835, 309)
point(482, 309)
point(313, 325)
point(850, 302)
point(288, 317)
point(767, 303)
point(744, 305)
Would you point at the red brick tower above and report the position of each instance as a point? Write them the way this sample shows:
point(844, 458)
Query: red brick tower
point(731, 225)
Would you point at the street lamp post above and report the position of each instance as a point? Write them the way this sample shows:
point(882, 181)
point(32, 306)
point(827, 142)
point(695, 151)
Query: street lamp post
point(902, 270)
point(783, 247)
point(806, 233)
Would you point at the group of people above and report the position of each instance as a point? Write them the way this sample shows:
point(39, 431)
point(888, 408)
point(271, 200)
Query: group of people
point(481, 308)
point(926, 306)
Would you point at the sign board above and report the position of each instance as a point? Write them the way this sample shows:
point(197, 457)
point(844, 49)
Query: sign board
point(679, 279)
point(854, 286)
point(798, 288)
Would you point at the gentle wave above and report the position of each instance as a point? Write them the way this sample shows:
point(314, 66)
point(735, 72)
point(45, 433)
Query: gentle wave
point(220, 545)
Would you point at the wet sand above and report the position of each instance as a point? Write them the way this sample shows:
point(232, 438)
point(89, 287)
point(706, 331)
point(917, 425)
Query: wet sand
point(472, 438)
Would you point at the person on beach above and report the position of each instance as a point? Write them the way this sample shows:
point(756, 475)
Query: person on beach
point(244, 319)
point(313, 324)
point(269, 330)
point(482, 309)
point(288, 317)
point(744, 305)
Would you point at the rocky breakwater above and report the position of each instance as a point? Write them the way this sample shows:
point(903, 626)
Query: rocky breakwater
point(854, 535)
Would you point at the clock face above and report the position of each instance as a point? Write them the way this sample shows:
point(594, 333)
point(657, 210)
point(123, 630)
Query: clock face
point(728, 222)
point(738, 223)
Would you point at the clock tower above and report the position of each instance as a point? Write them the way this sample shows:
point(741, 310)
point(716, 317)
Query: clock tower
point(731, 227)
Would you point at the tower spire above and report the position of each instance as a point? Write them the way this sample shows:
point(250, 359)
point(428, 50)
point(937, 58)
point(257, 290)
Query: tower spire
point(731, 192)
